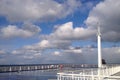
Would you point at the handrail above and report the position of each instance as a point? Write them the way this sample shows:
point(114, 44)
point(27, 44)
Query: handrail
point(107, 71)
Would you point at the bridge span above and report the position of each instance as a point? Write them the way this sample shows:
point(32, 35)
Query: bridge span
point(30, 67)
point(27, 67)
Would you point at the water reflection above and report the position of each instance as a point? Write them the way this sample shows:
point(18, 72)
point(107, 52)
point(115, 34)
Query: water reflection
point(29, 75)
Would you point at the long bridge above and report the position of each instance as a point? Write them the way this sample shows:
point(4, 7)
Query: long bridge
point(30, 67)
point(27, 67)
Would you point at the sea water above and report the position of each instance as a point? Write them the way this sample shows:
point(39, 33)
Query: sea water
point(30, 75)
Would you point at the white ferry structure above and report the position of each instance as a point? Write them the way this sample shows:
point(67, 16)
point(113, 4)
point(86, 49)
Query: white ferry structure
point(103, 72)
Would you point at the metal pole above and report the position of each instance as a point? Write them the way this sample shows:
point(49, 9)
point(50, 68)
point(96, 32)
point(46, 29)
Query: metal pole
point(99, 48)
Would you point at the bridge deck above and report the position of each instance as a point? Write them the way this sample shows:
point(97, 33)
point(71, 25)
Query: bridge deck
point(117, 74)
point(107, 72)
point(114, 77)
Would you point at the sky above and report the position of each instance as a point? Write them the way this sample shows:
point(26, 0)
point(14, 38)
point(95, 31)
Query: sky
point(58, 31)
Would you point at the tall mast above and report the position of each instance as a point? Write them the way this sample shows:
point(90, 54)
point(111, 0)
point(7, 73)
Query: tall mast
point(99, 47)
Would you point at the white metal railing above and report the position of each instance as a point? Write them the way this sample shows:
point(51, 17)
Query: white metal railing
point(105, 73)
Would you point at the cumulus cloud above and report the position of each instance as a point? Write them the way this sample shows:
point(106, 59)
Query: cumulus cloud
point(28, 55)
point(27, 30)
point(73, 50)
point(71, 55)
point(41, 50)
point(61, 38)
point(89, 55)
point(108, 19)
point(56, 53)
point(63, 35)
point(32, 10)
point(43, 46)
point(108, 15)
point(67, 32)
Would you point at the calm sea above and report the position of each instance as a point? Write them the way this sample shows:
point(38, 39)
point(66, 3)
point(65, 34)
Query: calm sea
point(30, 75)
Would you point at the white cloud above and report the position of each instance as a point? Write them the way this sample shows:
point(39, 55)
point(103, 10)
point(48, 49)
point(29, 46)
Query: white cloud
point(2, 52)
point(78, 51)
point(89, 55)
point(56, 53)
point(28, 57)
point(32, 10)
point(72, 55)
point(32, 55)
point(15, 52)
point(27, 30)
point(47, 44)
point(25, 54)
point(13, 31)
point(108, 15)
point(67, 32)
point(44, 44)
point(64, 34)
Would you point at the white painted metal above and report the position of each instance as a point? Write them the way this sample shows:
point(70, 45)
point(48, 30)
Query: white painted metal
point(105, 73)
point(10, 69)
point(99, 48)
point(20, 68)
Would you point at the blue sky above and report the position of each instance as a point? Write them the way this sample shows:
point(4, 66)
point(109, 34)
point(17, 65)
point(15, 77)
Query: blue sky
point(58, 31)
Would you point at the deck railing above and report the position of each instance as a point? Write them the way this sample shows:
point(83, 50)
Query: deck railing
point(105, 73)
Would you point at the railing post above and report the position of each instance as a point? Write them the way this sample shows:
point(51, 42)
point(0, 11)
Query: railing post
point(20, 69)
point(60, 77)
point(92, 74)
point(57, 77)
point(36, 67)
point(10, 69)
point(99, 74)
